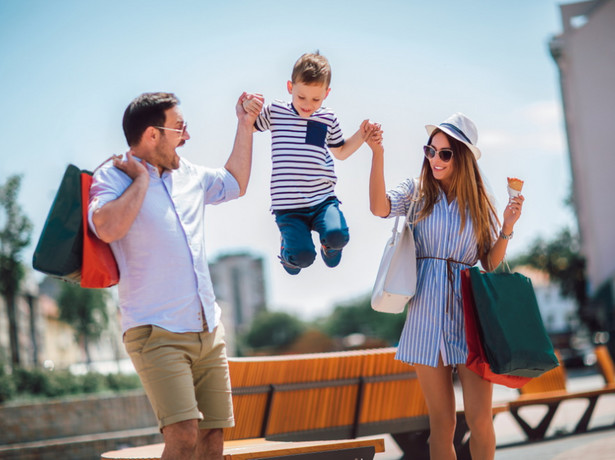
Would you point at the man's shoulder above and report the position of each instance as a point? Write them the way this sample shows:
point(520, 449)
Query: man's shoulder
point(188, 167)
point(109, 173)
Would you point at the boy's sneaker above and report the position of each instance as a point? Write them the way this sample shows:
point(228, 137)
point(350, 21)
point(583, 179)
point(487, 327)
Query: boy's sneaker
point(331, 257)
point(290, 268)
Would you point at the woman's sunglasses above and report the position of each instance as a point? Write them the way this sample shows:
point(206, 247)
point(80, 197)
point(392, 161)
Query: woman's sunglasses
point(445, 154)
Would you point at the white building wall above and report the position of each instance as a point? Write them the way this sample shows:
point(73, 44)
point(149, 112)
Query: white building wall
point(585, 54)
point(239, 285)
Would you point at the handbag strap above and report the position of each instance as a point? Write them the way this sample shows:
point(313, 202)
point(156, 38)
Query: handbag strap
point(408, 221)
point(100, 165)
point(413, 201)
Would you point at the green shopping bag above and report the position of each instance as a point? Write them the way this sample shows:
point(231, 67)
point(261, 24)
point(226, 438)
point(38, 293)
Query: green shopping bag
point(59, 249)
point(67, 248)
point(514, 336)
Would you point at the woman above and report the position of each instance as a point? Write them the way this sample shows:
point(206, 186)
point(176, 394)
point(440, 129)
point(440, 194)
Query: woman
point(455, 225)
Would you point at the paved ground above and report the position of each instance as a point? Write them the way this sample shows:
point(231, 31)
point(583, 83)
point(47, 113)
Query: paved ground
point(597, 444)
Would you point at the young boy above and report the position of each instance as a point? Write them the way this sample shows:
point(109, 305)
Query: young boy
point(303, 133)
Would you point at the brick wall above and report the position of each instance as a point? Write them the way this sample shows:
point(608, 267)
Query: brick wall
point(74, 417)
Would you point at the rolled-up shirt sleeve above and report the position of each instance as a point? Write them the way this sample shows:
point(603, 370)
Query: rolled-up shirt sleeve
point(400, 198)
point(108, 184)
point(220, 186)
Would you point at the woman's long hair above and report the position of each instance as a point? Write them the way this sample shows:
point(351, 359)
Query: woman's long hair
point(468, 188)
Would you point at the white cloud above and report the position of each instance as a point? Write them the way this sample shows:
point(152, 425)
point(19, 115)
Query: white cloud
point(537, 127)
point(495, 139)
point(544, 113)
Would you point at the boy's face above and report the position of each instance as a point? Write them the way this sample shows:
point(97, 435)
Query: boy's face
point(307, 99)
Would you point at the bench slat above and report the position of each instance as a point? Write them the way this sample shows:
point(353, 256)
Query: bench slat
point(246, 449)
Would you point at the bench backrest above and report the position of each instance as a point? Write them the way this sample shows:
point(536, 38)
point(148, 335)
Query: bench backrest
point(322, 395)
point(605, 364)
point(553, 380)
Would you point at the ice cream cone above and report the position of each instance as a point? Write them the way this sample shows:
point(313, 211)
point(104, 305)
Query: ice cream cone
point(514, 187)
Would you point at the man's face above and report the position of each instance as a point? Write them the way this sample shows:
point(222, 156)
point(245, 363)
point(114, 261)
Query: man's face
point(307, 99)
point(173, 136)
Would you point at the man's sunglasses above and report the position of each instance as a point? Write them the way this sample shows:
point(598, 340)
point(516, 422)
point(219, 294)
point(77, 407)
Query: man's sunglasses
point(445, 154)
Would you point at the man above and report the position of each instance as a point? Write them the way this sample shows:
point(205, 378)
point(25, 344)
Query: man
point(150, 207)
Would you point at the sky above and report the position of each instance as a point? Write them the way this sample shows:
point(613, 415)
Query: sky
point(69, 68)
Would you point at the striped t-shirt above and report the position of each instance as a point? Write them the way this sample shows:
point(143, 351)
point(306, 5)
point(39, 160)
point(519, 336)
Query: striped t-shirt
point(303, 174)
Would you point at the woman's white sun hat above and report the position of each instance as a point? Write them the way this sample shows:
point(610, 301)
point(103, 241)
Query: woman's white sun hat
point(461, 128)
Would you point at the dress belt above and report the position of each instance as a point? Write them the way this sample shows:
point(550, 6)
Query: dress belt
point(450, 275)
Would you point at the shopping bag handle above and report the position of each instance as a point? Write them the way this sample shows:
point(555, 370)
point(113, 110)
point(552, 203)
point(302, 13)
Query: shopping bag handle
point(408, 221)
point(100, 165)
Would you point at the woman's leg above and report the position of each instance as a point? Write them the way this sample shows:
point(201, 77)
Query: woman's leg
point(437, 386)
point(477, 401)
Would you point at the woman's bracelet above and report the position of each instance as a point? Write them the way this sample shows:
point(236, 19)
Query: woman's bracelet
point(506, 237)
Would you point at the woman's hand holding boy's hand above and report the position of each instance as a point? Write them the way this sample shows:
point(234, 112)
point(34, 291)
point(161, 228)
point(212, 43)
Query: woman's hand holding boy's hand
point(373, 136)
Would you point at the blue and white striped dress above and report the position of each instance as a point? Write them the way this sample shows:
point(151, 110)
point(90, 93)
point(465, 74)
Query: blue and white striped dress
point(434, 324)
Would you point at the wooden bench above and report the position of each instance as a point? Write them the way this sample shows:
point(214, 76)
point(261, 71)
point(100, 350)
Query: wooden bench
point(550, 390)
point(326, 397)
point(323, 397)
point(247, 449)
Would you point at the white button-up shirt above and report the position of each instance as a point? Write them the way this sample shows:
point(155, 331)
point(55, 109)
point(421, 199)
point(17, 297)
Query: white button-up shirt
point(164, 276)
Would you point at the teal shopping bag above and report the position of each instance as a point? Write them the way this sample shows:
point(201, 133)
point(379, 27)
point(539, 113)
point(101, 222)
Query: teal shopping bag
point(514, 336)
point(59, 249)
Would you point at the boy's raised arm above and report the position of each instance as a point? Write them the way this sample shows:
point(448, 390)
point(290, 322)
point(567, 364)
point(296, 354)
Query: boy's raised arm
point(239, 162)
point(253, 104)
point(355, 141)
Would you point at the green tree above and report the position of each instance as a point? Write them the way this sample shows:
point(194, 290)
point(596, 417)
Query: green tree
point(562, 260)
point(85, 311)
point(15, 233)
point(273, 329)
point(357, 316)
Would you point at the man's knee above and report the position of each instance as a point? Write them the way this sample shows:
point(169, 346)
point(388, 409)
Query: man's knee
point(211, 442)
point(180, 437)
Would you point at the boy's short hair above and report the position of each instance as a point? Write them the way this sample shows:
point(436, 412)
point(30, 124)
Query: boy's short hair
point(312, 68)
point(146, 110)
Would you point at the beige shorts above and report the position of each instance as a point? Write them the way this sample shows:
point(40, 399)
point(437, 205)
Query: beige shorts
point(185, 375)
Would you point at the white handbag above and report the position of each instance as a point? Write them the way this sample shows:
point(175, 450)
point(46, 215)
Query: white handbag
point(396, 280)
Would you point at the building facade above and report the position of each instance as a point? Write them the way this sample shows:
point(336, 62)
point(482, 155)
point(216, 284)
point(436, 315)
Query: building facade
point(239, 285)
point(585, 56)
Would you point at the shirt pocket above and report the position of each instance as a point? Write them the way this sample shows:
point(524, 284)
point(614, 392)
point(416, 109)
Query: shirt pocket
point(316, 133)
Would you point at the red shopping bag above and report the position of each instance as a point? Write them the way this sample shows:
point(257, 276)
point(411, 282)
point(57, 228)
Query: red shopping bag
point(98, 268)
point(477, 360)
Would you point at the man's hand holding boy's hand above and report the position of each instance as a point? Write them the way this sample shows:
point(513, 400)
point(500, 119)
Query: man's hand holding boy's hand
point(249, 106)
point(253, 103)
